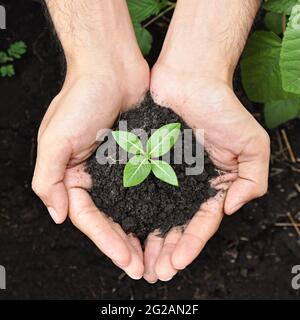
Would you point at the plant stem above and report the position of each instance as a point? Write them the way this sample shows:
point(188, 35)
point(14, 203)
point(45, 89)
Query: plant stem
point(169, 8)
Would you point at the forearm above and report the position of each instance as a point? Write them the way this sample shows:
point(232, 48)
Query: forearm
point(93, 30)
point(216, 32)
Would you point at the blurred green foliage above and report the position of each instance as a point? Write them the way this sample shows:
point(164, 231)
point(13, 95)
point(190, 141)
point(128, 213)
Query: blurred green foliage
point(15, 51)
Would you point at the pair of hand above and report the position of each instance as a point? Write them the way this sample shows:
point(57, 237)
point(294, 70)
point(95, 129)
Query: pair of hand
point(106, 74)
point(87, 103)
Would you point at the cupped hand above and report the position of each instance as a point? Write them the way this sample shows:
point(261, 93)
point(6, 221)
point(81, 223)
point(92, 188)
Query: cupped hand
point(67, 136)
point(236, 143)
point(124, 250)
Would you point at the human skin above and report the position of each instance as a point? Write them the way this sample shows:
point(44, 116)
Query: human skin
point(193, 76)
point(106, 74)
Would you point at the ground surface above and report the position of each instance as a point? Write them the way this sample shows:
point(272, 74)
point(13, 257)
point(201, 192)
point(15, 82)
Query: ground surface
point(153, 204)
point(250, 257)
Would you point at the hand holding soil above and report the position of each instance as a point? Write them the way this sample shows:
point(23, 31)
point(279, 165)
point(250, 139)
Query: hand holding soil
point(100, 83)
point(67, 138)
point(193, 78)
point(238, 146)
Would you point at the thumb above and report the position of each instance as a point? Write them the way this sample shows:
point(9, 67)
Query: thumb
point(241, 192)
point(252, 181)
point(52, 158)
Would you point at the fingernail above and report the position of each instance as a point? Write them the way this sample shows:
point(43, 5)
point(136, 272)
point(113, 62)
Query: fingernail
point(150, 278)
point(177, 264)
point(134, 277)
point(53, 214)
point(165, 280)
point(151, 281)
point(235, 208)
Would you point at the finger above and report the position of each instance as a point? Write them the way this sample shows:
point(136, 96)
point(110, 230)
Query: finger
point(135, 243)
point(52, 159)
point(164, 267)
point(223, 182)
point(88, 219)
point(153, 246)
point(135, 269)
point(223, 178)
point(252, 181)
point(200, 229)
point(77, 177)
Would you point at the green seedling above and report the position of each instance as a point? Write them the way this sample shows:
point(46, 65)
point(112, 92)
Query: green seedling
point(146, 161)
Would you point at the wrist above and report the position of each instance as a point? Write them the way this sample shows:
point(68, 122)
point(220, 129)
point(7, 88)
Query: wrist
point(207, 37)
point(128, 78)
point(102, 45)
point(205, 67)
point(101, 60)
point(99, 48)
point(94, 32)
point(216, 68)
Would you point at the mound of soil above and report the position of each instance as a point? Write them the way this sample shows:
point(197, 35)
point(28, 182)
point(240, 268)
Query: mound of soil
point(152, 205)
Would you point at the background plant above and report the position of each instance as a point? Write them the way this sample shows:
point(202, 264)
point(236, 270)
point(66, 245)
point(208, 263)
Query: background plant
point(270, 65)
point(15, 51)
point(141, 11)
point(143, 162)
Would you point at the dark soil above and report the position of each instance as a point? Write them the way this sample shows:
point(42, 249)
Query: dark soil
point(250, 257)
point(154, 204)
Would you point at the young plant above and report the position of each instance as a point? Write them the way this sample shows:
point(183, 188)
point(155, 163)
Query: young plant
point(143, 162)
point(15, 51)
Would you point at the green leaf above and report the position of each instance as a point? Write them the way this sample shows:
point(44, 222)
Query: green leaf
point(163, 171)
point(260, 69)
point(278, 112)
point(128, 141)
point(17, 49)
point(141, 10)
point(163, 3)
point(136, 171)
point(144, 38)
point(4, 57)
point(7, 70)
point(163, 139)
point(290, 53)
point(273, 22)
point(280, 6)
point(262, 42)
